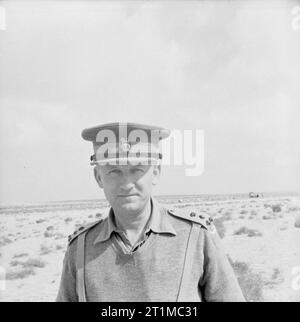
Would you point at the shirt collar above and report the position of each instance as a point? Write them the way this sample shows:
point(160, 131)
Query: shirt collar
point(159, 223)
point(159, 220)
point(107, 228)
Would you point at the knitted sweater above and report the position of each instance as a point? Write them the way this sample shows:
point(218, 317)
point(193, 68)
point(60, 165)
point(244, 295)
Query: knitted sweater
point(154, 271)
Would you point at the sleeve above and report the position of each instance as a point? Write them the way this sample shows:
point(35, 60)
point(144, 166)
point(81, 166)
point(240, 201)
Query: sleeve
point(218, 283)
point(67, 289)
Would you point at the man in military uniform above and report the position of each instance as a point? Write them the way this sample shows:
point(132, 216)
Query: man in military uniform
point(142, 251)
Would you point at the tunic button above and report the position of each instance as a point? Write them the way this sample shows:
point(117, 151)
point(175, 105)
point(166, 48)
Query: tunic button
point(201, 217)
point(192, 214)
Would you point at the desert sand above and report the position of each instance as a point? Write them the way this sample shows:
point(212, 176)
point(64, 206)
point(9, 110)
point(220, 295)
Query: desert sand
point(258, 234)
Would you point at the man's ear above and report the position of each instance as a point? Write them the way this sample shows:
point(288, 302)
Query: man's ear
point(156, 174)
point(98, 176)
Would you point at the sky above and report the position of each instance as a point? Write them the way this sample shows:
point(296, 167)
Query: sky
point(229, 68)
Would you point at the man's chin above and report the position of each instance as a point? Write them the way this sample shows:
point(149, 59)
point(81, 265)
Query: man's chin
point(130, 206)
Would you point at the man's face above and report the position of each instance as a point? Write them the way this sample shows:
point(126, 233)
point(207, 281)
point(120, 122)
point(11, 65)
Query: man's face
point(127, 187)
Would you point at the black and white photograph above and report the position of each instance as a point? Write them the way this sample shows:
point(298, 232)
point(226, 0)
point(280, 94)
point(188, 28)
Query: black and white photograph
point(150, 151)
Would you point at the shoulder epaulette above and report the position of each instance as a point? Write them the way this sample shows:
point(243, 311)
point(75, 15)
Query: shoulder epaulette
point(203, 219)
point(81, 230)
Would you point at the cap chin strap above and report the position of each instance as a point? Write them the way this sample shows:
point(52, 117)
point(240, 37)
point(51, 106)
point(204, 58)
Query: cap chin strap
point(127, 161)
point(147, 159)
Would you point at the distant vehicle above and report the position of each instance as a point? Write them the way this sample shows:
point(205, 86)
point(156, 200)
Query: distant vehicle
point(255, 195)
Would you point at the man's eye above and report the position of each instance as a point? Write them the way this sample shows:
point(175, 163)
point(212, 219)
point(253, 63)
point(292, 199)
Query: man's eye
point(114, 172)
point(138, 170)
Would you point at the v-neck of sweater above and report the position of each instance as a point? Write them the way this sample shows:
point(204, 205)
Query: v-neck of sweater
point(136, 251)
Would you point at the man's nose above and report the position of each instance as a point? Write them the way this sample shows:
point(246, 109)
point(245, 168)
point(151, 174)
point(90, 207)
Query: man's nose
point(126, 183)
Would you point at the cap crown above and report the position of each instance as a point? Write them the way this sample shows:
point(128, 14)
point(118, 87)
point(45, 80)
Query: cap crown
point(125, 142)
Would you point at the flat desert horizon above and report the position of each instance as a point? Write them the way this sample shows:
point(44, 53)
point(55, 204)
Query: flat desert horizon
point(261, 237)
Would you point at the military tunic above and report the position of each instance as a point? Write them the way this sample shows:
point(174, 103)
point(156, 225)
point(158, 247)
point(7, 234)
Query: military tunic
point(179, 251)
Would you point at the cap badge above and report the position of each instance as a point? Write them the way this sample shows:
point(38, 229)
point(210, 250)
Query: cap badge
point(124, 145)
